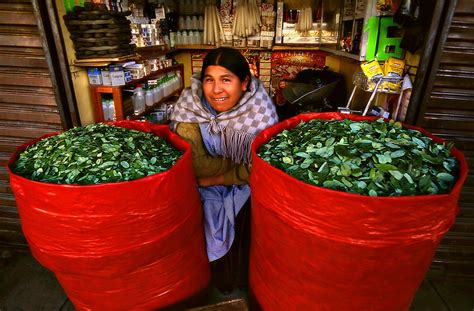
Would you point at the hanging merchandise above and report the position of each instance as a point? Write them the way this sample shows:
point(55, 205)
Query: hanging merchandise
point(247, 20)
point(305, 20)
point(213, 33)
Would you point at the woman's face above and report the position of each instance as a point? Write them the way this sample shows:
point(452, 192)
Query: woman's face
point(222, 88)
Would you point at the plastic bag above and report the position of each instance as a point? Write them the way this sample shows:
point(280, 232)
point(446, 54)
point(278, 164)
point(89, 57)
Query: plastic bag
point(127, 245)
point(318, 249)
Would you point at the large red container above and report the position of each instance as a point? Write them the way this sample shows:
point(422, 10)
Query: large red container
point(120, 246)
point(318, 249)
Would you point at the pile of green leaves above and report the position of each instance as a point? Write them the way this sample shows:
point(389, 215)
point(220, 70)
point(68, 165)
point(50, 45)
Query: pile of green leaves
point(96, 154)
point(369, 158)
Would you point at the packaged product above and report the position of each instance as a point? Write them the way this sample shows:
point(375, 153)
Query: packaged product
point(394, 67)
point(372, 70)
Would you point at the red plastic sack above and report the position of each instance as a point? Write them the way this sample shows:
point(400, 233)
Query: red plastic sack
point(119, 246)
point(319, 249)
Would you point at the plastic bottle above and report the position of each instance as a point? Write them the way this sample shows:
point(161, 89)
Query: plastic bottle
point(178, 76)
point(167, 86)
point(175, 83)
point(201, 23)
point(199, 37)
point(161, 86)
point(105, 109)
point(111, 109)
point(186, 37)
point(149, 100)
point(181, 23)
point(138, 100)
point(156, 93)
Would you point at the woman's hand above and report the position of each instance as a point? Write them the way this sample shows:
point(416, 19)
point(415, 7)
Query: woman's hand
point(211, 181)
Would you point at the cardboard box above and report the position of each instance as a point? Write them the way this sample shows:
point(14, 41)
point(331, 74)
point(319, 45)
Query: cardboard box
point(136, 70)
point(95, 76)
point(117, 75)
point(279, 24)
point(240, 42)
point(253, 41)
point(106, 76)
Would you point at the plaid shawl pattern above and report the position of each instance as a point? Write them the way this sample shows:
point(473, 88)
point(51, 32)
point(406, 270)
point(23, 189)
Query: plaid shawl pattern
point(237, 126)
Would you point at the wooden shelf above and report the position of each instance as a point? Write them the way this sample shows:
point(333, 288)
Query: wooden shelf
point(155, 73)
point(195, 47)
point(156, 50)
point(211, 47)
point(116, 91)
point(102, 62)
point(299, 47)
point(343, 54)
point(153, 51)
point(110, 88)
point(149, 109)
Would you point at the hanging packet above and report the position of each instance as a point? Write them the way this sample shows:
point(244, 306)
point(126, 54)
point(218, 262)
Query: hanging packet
point(394, 67)
point(372, 70)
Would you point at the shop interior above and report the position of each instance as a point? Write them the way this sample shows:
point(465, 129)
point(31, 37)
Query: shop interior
point(171, 38)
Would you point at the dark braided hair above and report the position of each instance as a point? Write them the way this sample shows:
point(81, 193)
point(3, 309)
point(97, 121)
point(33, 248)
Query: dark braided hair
point(229, 58)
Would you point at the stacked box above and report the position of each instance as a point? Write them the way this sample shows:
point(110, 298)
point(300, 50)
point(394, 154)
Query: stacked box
point(267, 33)
point(279, 24)
point(225, 12)
point(94, 75)
point(265, 70)
point(239, 42)
point(253, 41)
point(119, 75)
point(106, 76)
point(197, 58)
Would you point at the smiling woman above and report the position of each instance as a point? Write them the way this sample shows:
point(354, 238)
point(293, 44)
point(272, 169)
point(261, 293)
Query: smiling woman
point(222, 88)
point(220, 115)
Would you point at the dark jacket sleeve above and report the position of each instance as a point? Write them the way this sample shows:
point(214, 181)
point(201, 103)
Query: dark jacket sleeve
point(206, 165)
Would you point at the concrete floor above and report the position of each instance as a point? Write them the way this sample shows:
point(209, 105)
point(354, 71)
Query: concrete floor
point(26, 285)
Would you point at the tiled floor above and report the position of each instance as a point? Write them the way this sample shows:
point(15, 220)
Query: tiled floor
point(26, 285)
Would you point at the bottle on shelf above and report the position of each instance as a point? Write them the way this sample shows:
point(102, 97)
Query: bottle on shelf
point(156, 92)
point(138, 100)
point(111, 109)
point(108, 109)
point(149, 100)
point(178, 76)
point(161, 86)
point(105, 109)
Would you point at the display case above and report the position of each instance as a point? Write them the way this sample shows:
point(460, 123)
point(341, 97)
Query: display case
point(323, 16)
point(352, 36)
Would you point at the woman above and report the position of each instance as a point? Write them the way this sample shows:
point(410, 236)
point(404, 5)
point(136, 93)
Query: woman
point(219, 116)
